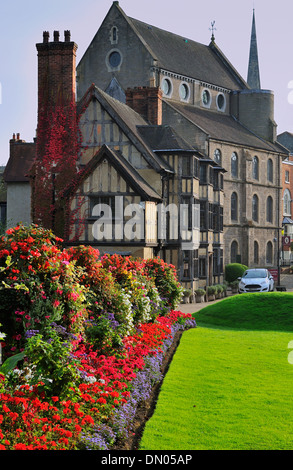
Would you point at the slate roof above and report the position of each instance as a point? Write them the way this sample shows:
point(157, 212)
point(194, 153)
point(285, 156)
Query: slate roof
point(187, 57)
point(22, 156)
point(224, 127)
point(164, 139)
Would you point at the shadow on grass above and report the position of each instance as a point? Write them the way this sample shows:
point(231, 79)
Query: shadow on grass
point(258, 311)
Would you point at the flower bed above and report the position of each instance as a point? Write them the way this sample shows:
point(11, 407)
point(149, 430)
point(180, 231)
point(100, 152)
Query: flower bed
point(84, 341)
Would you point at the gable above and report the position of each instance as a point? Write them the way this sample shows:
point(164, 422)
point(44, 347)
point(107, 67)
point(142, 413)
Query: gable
point(109, 172)
point(95, 66)
point(106, 121)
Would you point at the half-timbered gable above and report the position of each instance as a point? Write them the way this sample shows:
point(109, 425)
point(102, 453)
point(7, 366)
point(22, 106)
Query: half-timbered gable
point(113, 207)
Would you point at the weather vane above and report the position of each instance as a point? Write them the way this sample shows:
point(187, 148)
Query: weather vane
point(213, 29)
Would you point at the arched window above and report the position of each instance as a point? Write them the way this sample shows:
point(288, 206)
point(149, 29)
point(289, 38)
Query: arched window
point(255, 208)
point(234, 206)
point(255, 252)
point(270, 209)
point(270, 172)
point(234, 251)
point(287, 202)
point(269, 253)
point(234, 165)
point(114, 35)
point(255, 168)
point(218, 156)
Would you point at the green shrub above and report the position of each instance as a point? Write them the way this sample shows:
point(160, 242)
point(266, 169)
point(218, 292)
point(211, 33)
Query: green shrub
point(233, 271)
point(212, 290)
point(200, 292)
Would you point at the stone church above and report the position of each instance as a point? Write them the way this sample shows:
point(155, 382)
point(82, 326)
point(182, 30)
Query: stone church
point(179, 154)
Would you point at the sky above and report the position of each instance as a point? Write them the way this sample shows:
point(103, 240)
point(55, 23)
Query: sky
point(22, 24)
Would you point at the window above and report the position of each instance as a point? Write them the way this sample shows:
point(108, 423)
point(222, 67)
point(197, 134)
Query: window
point(255, 208)
point(287, 180)
point(269, 253)
point(202, 267)
point(234, 165)
point(102, 208)
point(203, 173)
point(287, 202)
point(203, 215)
point(234, 251)
point(218, 156)
point(114, 35)
point(167, 87)
point(270, 209)
point(186, 264)
point(270, 170)
point(114, 59)
point(186, 170)
point(206, 98)
point(234, 206)
point(221, 102)
point(255, 252)
point(255, 168)
point(184, 92)
point(195, 167)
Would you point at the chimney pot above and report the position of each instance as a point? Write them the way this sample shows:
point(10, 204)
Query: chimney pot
point(56, 36)
point(46, 36)
point(18, 135)
point(67, 36)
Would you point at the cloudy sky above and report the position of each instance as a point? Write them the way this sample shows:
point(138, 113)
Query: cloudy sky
point(22, 24)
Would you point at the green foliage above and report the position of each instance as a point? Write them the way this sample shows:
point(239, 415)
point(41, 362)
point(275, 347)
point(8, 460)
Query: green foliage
point(11, 363)
point(233, 271)
point(49, 357)
point(200, 291)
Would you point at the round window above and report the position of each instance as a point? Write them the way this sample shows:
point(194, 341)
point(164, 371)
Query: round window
point(206, 97)
point(166, 86)
point(114, 59)
point(221, 102)
point(184, 91)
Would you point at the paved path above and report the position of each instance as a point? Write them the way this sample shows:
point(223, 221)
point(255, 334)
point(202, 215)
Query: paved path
point(286, 280)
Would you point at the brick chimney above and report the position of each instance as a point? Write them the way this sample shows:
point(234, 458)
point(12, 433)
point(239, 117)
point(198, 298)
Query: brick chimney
point(147, 101)
point(56, 71)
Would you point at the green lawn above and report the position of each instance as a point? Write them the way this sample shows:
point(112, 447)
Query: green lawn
point(230, 384)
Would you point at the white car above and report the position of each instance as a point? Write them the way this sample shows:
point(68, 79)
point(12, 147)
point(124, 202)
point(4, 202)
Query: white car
point(256, 280)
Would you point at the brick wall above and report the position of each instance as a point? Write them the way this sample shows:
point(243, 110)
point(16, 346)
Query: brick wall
point(146, 101)
point(56, 70)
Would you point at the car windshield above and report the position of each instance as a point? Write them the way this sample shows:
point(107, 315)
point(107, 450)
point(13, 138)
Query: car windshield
point(255, 273)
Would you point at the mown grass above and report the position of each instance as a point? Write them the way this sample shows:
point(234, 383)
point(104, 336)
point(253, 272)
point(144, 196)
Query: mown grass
point(230, 384)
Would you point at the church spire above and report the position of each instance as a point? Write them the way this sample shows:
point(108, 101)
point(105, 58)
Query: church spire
point(253, 77)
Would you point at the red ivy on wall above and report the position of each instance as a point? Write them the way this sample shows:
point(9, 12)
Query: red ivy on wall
point(56, 166)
